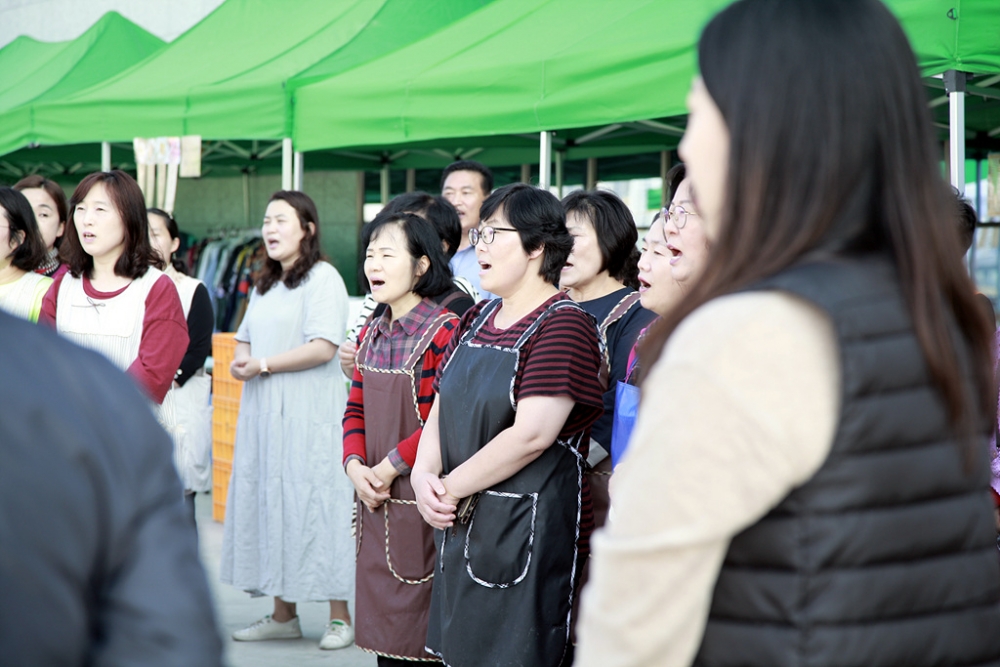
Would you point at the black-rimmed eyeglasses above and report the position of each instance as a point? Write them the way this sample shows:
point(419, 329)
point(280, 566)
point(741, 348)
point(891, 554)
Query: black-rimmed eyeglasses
point(486, 234)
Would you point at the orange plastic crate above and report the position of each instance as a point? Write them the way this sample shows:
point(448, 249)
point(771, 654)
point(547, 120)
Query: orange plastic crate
point(225, 412)
point(223, 383)
point(226, 392)
point(222, 451)
point(221, 471)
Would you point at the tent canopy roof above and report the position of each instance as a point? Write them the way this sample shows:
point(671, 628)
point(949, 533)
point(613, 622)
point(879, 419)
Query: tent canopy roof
point(225, 77)
point(522, 66)
point(362, 83)
point(55, 70)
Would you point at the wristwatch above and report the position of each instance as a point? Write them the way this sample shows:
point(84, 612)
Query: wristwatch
point(265, 372)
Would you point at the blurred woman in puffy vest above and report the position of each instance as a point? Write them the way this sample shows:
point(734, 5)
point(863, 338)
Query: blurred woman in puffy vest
point(816, 410)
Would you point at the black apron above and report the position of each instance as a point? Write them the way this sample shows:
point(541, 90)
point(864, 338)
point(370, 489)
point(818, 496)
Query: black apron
point(505, 580)
point(395, 547)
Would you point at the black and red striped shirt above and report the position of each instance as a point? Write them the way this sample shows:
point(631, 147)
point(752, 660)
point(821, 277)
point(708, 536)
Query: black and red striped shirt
point(561, 358)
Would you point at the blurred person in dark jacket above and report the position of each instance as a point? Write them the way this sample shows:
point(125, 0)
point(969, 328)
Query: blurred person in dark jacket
point(98, 560)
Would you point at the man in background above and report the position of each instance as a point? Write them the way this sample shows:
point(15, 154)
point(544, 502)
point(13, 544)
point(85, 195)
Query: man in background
point(465, 184)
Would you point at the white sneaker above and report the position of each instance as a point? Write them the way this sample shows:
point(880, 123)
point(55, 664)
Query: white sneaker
point(338, 635)
point(268, 628)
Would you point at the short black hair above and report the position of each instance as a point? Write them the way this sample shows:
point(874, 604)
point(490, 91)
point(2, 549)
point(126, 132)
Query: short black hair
point(675, 176)
point(540, 222)
point(616, 232)
point(422, 241)
point(470, 165)
point(31, 250)
point(967, 218)
point(436, 210)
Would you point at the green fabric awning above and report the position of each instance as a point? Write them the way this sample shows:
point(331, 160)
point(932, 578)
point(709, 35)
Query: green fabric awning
point(525, 66)
point(362, 83)
point(20, 59)
point(57, 70)
point(225, 77)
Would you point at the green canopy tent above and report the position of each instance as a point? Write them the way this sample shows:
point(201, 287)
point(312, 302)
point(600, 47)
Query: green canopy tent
point(522, 67)
point(224, 78)
point(480, 84)
point(20, 59)
point(54, 71)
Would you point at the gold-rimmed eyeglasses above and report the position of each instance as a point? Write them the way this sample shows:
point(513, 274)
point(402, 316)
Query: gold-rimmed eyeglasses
point(676, 214)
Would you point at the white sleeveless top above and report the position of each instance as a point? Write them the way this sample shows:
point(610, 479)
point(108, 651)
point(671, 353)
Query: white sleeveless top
point(21, 299)
point(112, 326)
point(186, 285)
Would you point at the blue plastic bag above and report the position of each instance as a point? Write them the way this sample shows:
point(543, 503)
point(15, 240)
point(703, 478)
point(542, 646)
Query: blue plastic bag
point(626, 411)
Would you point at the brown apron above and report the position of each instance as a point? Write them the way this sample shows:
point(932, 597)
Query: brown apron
point(395, 547)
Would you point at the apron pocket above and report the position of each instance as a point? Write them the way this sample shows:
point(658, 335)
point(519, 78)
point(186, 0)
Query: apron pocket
point(410, 543)
point(501, 532)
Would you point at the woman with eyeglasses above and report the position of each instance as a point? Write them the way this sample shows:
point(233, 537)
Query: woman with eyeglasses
point(674, 254)
point(816, 409)
point(674, 250)
point(500, 467)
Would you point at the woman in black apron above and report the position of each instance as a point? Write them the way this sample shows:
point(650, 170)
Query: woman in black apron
point(601, 274)
point(500, 470)
point(390, 398)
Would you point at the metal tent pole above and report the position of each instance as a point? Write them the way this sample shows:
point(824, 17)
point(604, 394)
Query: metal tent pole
point(591, 173)
point(105, 156)
point(298, 165)
point(560, 172)
point(545, 160)
point(411, 180)
point(664, 187)
point(384, 183)
point(954, 85)
point(286, 164)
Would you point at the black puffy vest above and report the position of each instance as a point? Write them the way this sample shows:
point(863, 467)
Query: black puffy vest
point(887, 557)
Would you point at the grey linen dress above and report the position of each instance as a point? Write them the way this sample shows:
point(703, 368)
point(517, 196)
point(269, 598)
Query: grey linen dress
point(288, 517)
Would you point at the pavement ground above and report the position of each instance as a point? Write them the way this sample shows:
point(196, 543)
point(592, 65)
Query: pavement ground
point(236, 609)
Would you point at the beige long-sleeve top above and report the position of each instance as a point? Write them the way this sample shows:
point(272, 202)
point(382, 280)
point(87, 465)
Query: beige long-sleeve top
point(740, 409)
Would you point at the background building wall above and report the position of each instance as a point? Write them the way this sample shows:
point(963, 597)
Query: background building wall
point(211, 205)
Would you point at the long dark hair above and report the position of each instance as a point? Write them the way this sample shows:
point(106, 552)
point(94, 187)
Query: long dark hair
point(174, 232)
point(821, 160)
point(616, 232)
point(309, 249)
point(125, 195)
point(30, 250)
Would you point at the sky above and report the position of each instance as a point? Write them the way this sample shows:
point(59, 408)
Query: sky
point(60, 20)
